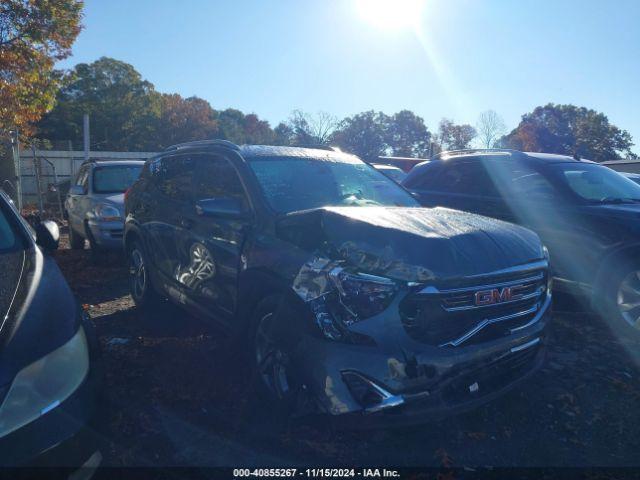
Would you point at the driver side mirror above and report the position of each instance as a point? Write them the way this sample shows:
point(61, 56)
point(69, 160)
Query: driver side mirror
point(220, 207)
point(47, 235)
point(77, 190)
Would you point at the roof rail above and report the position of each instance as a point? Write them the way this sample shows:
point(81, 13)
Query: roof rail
point(454, 153)
point(204, 143)
point(317, 146)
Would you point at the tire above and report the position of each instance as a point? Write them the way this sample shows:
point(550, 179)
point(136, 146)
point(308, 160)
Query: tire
point(140, 286)
point(622, 299)
point(76, 242)
point(271, 373)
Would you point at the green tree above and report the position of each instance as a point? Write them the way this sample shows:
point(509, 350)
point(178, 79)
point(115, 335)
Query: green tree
point(34, 35)
point(364, 134)
point(407, 135)
point(454, 137)
point(570, 130)
point(123, 108)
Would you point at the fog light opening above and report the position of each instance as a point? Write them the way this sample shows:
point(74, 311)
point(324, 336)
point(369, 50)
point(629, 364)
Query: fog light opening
point(370, 396)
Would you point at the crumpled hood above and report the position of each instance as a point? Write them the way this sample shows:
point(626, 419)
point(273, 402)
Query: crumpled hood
point(11, 267)
point(415, 244)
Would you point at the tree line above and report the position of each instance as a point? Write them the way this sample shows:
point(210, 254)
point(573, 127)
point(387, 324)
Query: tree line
point(127, 113)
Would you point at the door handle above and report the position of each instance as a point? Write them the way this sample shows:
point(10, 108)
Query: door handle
point(186, 223)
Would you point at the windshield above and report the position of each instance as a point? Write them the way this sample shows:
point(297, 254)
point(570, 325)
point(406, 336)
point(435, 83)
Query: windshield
point(115, 179)
point(597, 184)
point(291, 184)
point(9, 239)
point(394, 174)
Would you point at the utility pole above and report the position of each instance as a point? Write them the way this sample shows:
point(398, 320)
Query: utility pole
point(85, 130)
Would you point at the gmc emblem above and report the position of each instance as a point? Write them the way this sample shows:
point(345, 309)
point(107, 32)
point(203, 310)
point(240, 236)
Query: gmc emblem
point(496, 295)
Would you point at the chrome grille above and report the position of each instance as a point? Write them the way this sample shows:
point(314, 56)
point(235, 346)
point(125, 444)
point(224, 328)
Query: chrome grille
point(448, 315)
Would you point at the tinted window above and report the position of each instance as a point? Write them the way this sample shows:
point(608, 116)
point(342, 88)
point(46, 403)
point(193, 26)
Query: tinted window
point(515, 179)
point(292, 183)
point(174, 177)
point(469, 178)
point(216, 178)
point(115, 179)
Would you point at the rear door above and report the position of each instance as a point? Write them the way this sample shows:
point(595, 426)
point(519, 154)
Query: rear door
point(172, 194)
point(211, 246)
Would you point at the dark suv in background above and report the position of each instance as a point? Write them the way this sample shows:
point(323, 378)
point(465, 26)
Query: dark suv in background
point(586, 214)
point(343, 288)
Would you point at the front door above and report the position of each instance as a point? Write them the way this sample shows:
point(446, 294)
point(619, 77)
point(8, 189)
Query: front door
point(210, 246)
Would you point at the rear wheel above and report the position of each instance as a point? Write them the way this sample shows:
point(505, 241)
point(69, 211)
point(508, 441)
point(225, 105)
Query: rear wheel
point(76, 242)
point(142, 290)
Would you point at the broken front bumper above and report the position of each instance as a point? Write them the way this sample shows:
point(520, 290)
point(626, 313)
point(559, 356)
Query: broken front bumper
point(406, 379)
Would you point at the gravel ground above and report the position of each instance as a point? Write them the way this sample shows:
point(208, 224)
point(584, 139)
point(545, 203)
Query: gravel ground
point(178, 397)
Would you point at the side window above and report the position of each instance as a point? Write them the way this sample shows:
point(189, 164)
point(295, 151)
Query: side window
point(216, 178)
point(427, 179)
point(469, 178)
point(518, 180)
point(174, 177)
point(81, 178)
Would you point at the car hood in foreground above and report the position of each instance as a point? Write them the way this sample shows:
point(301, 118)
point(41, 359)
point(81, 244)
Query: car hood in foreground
point(414, 244)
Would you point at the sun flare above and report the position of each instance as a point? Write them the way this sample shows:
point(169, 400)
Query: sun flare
point(391, 14)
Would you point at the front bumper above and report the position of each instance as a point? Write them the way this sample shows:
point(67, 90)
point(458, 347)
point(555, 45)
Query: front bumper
point(107, 234)
point(425, 382)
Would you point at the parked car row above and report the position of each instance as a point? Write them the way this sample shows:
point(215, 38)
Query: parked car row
point(357, 292)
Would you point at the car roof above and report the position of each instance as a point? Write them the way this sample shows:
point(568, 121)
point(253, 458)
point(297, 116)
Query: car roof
point(630, 175)
point(504, 153)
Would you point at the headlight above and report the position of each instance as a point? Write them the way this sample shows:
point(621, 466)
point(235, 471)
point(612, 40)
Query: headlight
point(361, 295)
point(43, 385)
point(545, 252)
point(107, 212)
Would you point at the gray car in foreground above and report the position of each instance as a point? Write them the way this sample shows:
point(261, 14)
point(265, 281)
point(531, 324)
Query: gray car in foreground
point(95, 202)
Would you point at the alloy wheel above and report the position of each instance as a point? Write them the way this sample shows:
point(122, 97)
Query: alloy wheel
point(137, 274)
point(628, 299)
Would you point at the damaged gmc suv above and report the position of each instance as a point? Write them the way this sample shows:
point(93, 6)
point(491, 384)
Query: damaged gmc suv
point(342, 287)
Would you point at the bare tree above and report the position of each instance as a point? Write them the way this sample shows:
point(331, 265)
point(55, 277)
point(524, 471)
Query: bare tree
point(312, 129)
point(490, 128)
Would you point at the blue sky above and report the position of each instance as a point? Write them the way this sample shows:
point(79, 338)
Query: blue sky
point(461, 57)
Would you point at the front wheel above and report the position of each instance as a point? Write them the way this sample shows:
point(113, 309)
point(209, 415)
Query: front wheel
point(623, 298)
point(142, 292)
point(273, 375)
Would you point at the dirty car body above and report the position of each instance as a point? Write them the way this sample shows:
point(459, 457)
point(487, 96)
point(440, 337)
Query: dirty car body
point(383, 306)
point(49, 374)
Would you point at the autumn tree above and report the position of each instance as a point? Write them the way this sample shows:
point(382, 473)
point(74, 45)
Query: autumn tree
point(454, 137)
point(235, 126)
point(34, 35)
point(123, 108)
point(490, 128)
point(570, 130)
point(184, 119)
